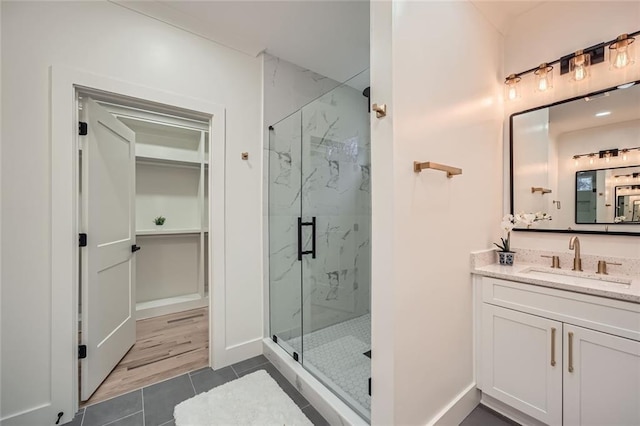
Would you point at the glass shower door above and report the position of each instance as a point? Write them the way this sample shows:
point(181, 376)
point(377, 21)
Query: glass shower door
point(335, 168)
point(285, 270)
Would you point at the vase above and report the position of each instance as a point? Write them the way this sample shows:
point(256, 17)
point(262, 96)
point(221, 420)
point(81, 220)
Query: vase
point(506, 257)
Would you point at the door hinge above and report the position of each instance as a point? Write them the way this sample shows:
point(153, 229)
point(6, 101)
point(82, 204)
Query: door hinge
point(369, 386)
point(295, 356)
point(82, 240)
point(82, 128)
point(82, 351)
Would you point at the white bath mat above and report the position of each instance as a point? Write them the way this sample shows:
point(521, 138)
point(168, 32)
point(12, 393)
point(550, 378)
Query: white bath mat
point(255, 399)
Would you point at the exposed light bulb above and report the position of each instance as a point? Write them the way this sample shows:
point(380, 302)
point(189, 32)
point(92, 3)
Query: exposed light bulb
point(576, 161)
point(543, 84)
point(511, 86)
point(579, 65)
point(544, 77)
point(513, 93)
point(624, 155)
point(622, 58)
point(621, 52)
point(591, 160)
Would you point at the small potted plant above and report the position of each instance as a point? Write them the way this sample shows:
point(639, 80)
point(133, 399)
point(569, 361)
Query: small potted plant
point(159, 221)
point(505, 254)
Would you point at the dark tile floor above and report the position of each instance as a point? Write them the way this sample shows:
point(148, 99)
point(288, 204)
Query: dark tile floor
point(153, 405)
point(483, 416)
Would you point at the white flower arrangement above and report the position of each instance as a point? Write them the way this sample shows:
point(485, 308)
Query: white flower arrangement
point(511, 221)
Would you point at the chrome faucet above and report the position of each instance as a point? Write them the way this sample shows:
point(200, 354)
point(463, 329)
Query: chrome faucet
point(574, 242)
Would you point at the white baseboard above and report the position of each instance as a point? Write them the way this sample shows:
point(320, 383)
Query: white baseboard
point(459, 408)
point(322, 399)
point(509, 412)
point(171, 305)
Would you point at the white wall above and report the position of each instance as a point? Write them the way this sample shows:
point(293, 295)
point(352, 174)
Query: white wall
point(547, 32)
point(109, 40)
point(444, 107)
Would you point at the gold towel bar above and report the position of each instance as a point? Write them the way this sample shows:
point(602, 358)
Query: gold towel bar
point(451, 171)
point(540, 189)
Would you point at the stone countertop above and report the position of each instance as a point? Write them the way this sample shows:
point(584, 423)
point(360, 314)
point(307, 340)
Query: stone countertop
point(565, 279)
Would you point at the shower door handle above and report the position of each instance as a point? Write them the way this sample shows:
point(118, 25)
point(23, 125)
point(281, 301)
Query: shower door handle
point(312, 252)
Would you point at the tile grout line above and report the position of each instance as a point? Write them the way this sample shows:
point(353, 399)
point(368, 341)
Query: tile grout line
point(234, 372)
point(84, 411)
point(192, 386)
point(248, 369)
point(122, 418)
point(143, 416)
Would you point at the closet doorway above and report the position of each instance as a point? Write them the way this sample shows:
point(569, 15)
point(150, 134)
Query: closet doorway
point(143, 207)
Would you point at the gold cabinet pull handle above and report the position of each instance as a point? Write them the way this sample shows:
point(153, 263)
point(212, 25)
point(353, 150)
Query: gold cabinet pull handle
point(570, 368)
point(553, 346)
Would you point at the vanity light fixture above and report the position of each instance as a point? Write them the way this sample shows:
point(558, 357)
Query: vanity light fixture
point(579, 65)
point(607, 155)
point(544, 77)
point(629, 176)
point(621, 52)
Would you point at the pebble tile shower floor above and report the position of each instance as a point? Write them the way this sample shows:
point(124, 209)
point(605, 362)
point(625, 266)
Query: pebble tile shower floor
point(337, 352)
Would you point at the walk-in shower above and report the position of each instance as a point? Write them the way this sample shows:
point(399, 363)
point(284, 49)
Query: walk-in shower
point(319, 240)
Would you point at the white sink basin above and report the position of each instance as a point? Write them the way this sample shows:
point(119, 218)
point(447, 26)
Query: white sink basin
point(575, 278)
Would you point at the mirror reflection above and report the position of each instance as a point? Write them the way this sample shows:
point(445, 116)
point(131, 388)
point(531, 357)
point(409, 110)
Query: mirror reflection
point(579, 161)
point(607, 196)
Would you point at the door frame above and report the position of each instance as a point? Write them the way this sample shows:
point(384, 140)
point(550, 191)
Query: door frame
point(65, 82)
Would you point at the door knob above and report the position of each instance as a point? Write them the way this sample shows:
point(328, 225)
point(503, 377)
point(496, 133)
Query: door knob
point(135, 248)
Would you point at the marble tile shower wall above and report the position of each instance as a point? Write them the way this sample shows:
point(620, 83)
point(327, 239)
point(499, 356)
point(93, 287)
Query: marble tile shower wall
point(336, 158)
point(317, 164)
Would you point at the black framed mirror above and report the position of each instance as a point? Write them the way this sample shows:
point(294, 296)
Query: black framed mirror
point(578, 160)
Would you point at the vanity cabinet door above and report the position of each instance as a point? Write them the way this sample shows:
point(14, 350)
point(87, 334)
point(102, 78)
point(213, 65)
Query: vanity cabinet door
point(601, 378)
point(522, 362)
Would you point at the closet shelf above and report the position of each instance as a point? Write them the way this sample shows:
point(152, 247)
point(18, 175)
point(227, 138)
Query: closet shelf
point(166, 161)
point(167, 231)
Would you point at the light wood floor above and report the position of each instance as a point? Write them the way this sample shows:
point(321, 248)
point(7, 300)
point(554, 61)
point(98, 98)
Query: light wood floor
point(165, 347)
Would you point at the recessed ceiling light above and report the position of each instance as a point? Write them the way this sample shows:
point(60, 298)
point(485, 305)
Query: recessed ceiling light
point(627, 85)
point(597, 96)
point(603, 113)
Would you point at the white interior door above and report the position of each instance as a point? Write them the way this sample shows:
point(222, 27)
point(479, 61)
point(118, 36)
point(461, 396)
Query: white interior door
point(108, 268)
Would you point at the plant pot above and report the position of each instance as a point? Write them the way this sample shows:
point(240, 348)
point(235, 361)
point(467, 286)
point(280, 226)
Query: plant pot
point(506, 257)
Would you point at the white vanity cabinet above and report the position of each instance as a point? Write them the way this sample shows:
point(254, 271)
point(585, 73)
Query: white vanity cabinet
point(602, 387)
point(521, 365)
point(560, 357)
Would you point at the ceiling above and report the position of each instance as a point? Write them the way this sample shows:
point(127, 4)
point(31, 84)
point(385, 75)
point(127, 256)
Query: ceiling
point(623, 105)
point(328, 37)
point(502, 13)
